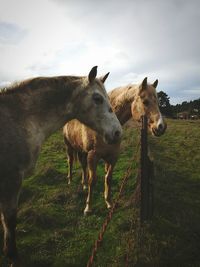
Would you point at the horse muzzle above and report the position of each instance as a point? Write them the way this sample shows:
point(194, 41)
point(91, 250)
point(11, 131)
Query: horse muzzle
point(160, 130)
point(114, 137)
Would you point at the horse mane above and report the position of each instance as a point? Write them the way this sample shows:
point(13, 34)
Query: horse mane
point(26, 86)
point(120, 96)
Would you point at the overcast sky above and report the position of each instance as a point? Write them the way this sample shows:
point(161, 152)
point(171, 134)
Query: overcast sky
point(131, 39)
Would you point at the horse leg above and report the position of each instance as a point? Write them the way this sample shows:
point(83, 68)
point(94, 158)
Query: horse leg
point(9, 220)
point(107, 184)
point(92, 161)
point(70, 159)
point(83, 160)
point(9, 224)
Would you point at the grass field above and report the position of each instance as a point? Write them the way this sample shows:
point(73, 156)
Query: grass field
point(53, 232)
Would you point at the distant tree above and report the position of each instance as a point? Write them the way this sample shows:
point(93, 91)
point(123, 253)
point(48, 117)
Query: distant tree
point(195, 106)
point(163, 99)
point(192, 107)
point(164, 104)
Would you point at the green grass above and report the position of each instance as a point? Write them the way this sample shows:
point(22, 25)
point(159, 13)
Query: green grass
point(177, 194)
point(52, 230)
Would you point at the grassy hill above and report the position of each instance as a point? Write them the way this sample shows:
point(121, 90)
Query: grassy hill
point(53, 232)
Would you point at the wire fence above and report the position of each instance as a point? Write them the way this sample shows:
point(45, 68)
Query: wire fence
point(143, 195)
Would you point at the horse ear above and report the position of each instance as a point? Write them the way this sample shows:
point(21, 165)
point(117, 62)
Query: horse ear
point(92, 75)
point(103, 78)
point(144, 84)
point(155, 84)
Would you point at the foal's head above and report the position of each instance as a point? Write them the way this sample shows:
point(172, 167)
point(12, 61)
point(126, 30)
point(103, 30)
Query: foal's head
point(146, 103)
point(95, 110)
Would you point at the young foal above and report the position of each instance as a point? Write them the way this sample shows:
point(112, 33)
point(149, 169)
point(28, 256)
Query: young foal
point(132, 100)
point(29, 112)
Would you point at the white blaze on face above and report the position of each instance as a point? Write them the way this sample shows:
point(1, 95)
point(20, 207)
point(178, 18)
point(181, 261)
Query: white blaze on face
point(160, 122)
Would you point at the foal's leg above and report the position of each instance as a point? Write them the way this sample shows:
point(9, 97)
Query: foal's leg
point(70, 160)
point(92, 161)
point(107, 183)
point(83, 160)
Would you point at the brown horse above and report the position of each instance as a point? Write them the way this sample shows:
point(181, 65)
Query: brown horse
point(130, 101)
point(31, 111)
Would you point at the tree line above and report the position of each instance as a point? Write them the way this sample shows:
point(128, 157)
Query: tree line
point(191, 107)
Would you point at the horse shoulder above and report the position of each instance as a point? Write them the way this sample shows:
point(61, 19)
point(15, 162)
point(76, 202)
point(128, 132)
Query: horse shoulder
point(15, 153)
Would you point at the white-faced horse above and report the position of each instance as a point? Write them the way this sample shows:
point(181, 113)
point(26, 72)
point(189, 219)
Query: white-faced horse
point(32, 110)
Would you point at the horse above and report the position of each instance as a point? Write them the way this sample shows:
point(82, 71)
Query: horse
point(129, 101)
point(30, 111)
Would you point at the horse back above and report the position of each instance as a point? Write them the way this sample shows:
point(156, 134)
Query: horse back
point(79, 136)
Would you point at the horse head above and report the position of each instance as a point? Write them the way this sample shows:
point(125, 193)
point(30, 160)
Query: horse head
point(146, 103)
point(95, 103)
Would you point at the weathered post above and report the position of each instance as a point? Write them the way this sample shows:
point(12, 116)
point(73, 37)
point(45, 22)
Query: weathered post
point(144, 176)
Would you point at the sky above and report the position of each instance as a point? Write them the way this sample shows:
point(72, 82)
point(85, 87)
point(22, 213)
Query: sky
point(131, 39)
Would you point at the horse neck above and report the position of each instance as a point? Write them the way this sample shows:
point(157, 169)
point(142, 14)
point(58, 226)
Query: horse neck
point(121, 99)
point(48, 108)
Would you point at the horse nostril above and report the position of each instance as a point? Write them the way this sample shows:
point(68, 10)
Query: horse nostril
point(160, 127)
point(117, 134)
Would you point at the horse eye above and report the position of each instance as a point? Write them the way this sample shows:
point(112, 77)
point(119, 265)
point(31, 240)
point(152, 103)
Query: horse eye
point(98, 99)
point(110, 110)
point(146, 102)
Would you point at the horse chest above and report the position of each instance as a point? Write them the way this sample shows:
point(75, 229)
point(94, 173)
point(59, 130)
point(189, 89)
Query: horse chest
point(35, 139)
point(33, 155)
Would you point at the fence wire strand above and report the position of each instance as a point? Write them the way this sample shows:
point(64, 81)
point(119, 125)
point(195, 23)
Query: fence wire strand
point(114, 206)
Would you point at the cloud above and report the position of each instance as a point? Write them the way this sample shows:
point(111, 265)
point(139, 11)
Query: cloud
point(10, 33)
point(44, 36)
point(132, 39)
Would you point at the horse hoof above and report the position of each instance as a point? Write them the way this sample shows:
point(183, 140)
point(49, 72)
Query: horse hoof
point(17, 263)
point(109, 206)
point(87, 211)
point(84, 187)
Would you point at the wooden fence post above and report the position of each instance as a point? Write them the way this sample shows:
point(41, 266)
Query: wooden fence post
point(144, 181)
point(146, 176)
